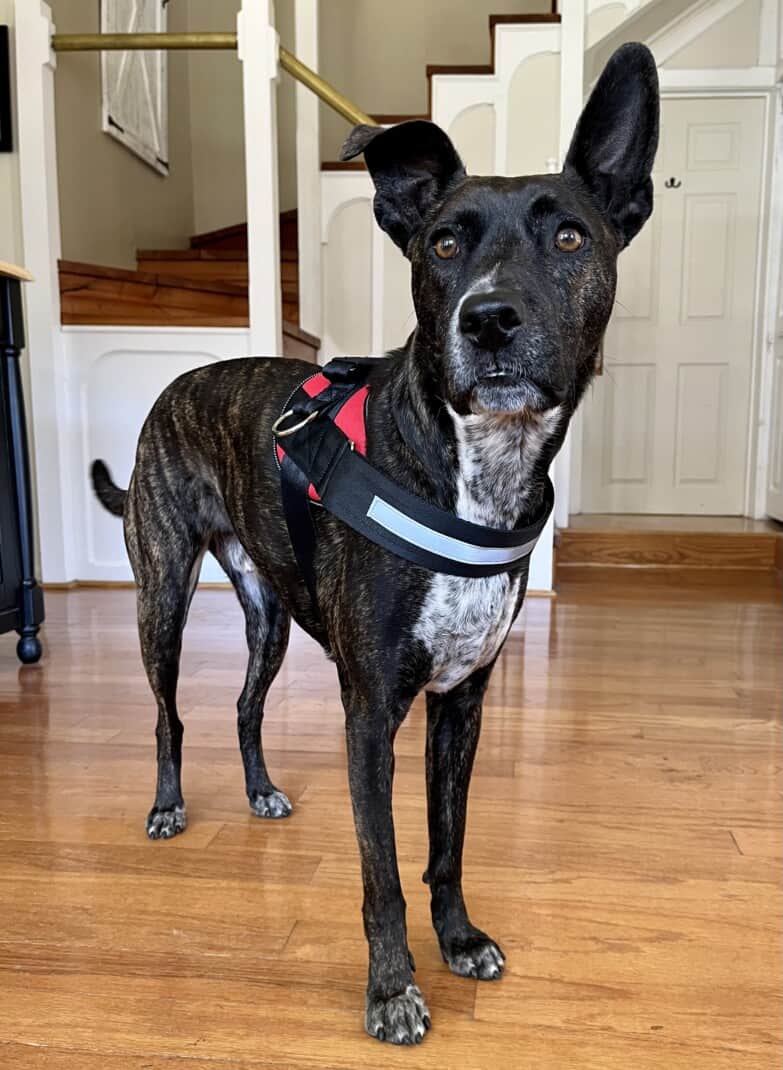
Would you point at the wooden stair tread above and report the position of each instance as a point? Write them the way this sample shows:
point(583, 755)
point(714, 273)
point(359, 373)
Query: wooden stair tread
point(457, 68)
point(512, 20)
point(304, 336)
point(79, 279)
point(221, 237)
point(208, 256)
point(99, 295)
point(616, 547)
point(200, 254)
point(343, 165)
point(234, 237)
point(127, 277)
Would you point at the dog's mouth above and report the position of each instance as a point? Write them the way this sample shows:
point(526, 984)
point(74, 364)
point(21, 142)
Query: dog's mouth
point(502, 391)
point(498, 378)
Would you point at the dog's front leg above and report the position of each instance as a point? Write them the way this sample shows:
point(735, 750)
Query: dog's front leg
point(453, 725)
point(396, 1010)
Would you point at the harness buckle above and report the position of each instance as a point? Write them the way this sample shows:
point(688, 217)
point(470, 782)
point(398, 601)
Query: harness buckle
point(283, 432)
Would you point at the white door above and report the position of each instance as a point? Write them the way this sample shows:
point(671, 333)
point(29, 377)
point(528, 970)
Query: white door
point(775, 483)
point(666, 427)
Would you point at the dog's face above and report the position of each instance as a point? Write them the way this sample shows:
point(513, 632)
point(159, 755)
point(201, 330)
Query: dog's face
point(514, 278)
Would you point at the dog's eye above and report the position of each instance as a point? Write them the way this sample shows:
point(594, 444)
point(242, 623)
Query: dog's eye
point(446, 246)
point(569, 239)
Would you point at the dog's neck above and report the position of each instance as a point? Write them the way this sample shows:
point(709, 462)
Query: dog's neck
point(501, 473)
point(490, 468)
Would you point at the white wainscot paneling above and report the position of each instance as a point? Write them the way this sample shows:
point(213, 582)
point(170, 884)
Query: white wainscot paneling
point(540, 578)
point(115, 375)
point(348, 280)
point(473, 133)
point(399, 316)
point(533, 135)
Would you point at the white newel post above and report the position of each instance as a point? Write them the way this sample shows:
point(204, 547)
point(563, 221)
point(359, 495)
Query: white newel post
point(258, 51)
point(572, 54)
point(52, 422)
point(308, 171)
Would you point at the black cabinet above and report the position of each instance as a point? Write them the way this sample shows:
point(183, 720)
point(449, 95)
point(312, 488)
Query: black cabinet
point(21, 599)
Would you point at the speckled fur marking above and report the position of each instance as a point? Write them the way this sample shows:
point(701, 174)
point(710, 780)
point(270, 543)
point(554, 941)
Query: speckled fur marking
point(463, 622)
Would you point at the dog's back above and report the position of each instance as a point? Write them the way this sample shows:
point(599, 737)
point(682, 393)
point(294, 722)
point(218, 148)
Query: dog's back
point(204, 446)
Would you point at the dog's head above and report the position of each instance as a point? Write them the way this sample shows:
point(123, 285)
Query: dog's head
point(514, 278)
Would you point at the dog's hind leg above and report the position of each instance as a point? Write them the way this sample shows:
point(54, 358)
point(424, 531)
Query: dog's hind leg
point(166, 558)
point(163, 599)
point(267, 626)
point(453, 724)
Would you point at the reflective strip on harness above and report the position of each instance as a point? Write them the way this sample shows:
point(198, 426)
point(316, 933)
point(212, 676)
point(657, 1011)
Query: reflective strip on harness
point(405, 527)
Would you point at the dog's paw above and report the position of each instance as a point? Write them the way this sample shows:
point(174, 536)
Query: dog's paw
point(163, 824)
point(274, 804)
point(402, 1019)
point(477, 957)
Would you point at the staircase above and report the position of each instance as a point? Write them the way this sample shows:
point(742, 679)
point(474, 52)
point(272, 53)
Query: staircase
point(203, 286)
point(439, 69)
point(206, 284)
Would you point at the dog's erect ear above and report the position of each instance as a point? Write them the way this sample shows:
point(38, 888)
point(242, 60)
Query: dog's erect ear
point(413, 165)
point(613, 148)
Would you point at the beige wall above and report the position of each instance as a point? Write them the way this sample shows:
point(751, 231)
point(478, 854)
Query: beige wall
point(216, 122)
point(731, 42)
point(286, 110)
point(111, 202)
point(377, 53)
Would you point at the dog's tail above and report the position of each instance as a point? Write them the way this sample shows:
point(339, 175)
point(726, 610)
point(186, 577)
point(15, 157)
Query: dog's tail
point(107, 492)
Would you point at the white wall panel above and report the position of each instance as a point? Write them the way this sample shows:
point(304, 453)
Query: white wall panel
point(347, 281)
point(115, 375)
point(473, 133)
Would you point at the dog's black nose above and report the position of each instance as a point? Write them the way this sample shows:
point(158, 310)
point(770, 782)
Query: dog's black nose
point(491, 319)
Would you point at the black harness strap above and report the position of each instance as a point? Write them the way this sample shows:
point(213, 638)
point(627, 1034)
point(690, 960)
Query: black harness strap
point(318, 452)
point(294, 487)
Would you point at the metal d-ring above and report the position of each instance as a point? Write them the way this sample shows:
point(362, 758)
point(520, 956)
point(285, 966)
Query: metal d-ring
point(278, 433)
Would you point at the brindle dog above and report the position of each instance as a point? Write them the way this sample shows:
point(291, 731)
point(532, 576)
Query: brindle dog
point(513, 283)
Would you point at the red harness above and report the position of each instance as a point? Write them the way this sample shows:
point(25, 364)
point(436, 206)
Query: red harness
point(350, 419)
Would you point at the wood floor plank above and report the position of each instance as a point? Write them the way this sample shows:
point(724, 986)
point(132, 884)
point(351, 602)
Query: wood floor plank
point(624, 847)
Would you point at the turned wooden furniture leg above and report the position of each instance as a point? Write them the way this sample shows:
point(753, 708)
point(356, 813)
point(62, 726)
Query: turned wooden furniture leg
point(30, 610)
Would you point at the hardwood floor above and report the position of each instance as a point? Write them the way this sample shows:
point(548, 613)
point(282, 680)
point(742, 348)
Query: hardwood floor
point(624, 847)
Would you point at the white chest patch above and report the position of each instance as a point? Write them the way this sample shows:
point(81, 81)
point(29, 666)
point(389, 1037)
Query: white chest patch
point(463, 622)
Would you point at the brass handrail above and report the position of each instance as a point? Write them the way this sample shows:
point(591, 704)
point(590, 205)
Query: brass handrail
point(125, 42)
point(121, 42)
point(325, 90)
